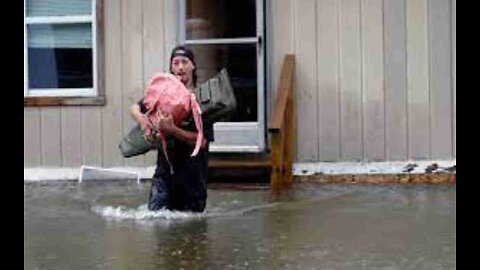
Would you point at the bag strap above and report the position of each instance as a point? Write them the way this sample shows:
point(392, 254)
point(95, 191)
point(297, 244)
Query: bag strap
point(198, 123)
point(153, 130)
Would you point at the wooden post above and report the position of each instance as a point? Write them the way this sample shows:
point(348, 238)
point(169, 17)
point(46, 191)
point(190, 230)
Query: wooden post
point(282, 129)
point(289, 141)
point(277, 147)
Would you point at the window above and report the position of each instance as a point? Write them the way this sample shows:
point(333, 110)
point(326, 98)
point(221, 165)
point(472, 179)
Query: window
point(61, 52)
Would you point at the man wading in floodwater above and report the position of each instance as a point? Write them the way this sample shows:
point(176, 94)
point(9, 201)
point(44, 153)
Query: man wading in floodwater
point(186, 189)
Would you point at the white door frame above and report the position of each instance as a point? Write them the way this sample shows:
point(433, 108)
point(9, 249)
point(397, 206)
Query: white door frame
point(238, 136)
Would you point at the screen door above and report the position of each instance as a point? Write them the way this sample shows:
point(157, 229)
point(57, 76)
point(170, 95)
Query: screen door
point(226, 33)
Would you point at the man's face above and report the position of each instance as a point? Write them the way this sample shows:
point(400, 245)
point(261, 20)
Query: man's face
point(182, 67)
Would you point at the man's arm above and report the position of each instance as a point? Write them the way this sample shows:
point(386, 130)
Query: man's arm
point(166, 125)
point(141, 118)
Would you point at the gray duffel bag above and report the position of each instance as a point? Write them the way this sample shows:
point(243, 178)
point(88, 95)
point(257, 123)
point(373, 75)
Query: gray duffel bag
point(217, 102)
point(134, 143)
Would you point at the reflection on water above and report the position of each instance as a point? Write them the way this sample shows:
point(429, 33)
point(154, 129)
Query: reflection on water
point(107, 226)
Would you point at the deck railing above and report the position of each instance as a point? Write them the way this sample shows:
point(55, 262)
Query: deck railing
point(281, 128)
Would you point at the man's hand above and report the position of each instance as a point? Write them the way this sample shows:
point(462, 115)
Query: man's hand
point(142, 119)
point(145, 125)
point(166, 124)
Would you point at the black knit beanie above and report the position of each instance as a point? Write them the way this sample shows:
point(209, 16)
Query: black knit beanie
point(185, 52)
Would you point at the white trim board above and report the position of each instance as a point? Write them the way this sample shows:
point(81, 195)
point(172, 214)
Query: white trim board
point(73, 174)
point(60, 19)
point(299, 169)
point(216, 41)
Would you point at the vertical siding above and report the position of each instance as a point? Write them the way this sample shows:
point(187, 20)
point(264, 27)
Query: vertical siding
point(385, 77)
point(283, 36)
point(112, 122)
point(71, 137)
point(50, 138)
point(31, 137)
point(440, 78)
point(328, 80)
point(170, 28)
point(91, 136)
point(305, 77)
point(283, 15)
point(132, 65)
point(395, 34)
point(153, 49)
point(375, 80)
point(135, 38)
point(350, 81)
point(454, 74)
point(372, 80)
point(417, 80)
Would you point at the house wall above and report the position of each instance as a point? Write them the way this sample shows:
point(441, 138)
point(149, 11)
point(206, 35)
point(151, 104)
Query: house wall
point(374, 81)
point(138, 38)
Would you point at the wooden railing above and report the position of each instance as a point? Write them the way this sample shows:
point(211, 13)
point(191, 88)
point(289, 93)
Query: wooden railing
point(281, 131)
point(281, 128)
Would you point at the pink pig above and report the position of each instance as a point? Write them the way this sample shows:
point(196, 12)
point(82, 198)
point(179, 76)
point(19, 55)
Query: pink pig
point(165, 94)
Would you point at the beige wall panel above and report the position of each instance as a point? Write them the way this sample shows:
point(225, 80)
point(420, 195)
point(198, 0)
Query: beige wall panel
point(305, 81)
point(372, 80)
point(454, 74)
point(153, 49)
point(439, 34)
point(91, 141)
point(395, 79)
point(328, 79)
point(50, 128)
point(417, 79)
point(31, 137)
point(283, 36)
point(71, 137)
point(350, 81)
point(132, 65)
point(112, 112)
point(170, 29)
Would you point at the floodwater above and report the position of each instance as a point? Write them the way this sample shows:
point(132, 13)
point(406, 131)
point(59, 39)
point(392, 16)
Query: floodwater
point(313, 226)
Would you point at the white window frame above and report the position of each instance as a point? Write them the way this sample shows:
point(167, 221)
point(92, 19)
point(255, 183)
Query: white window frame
point(62, 92)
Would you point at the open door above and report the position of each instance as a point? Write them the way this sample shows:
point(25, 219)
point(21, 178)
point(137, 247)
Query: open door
point(226, 33)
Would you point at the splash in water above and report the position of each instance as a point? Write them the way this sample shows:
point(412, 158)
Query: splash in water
point(142, 212)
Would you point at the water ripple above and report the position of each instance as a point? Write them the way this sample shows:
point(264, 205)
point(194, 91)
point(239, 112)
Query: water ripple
point(142, 212)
